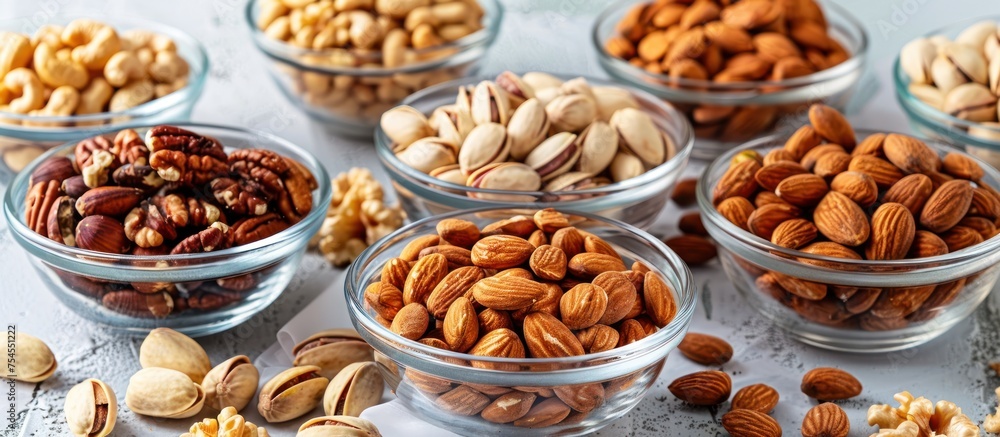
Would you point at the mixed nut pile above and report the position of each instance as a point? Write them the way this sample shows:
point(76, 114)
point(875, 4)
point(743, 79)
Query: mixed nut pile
point(886, 197)
point(170, 192)
point(721, 42)
point(530, 132)
point(85, 67)
point(522, 287)
point(368, 34)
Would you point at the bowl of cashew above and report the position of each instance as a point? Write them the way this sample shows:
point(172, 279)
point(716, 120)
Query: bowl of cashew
point(76, 77)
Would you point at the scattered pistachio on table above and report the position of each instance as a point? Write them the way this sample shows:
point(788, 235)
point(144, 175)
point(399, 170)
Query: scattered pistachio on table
point(338, 426)
point(531, 132)
point(34, 361)
point(228, 424)
point(231, 384)
point(91, 409)
point(166, 393)
point(291, 394)
point(331, 350)
point(169, 349)
point(357, 387)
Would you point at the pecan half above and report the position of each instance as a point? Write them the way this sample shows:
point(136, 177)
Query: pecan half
point(184, 211)
point(252, 229)
point(238, 197)
point(130, 147)
point(261, 169)
point(183, 156)
point(214, 238)
point(297, 201)
point(137, 176)
point(146, 227)
point(242, 282)
point(97, 159)
point(39, 202)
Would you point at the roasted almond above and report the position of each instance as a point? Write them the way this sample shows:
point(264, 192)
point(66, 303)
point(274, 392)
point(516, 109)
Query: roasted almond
point(705, 388)
point(927, 244)
point(550, 220)
point(802, 141)
point(840, 219)
point(911, 191)
point(457, 232)
point(986, 227)
point(518, 226)
point(831, 164)
point(832, 125)
point(858, 187)
point(764, 220)
point(758, 397)
point(384, 298)
point(545, 413)
point(621, 296)
point(802, 189)
point(705, 349)
point(778, 155)
point(690, 223)
point(794, 233)
point(685, 192)
point(509, 407)
point(424, 277)
point(598, 338)
point(738, 180)
point(871, 145)
point(826, 420)
point(538, 238)
point(595, 244)
point(750, 423)
point(828, 249)
point(961, 166)
point(395, 272)
point(547, 337)
point(411, 321)
point(581, 397)
point(569, 240)
point(830, 384)
point(461, 325)
point(463, 401)
point(498, 343)
point(960, 237)
point(630, 331)
point(661, 307)
point(501, 252)
point(946, 207)
point(588, 265)
point(892, 232)
point(769, 176)
point(491, 320)
point(412, 249)
point(883, 172)
point(582, 306)
point(456, 283)
point(737, 210)
point(692, 249)
point(548, 263)
point(456, 256)
point(808, 290)
point(910, 154)
point(984, 203)
point(507, 292)
point(808, 161)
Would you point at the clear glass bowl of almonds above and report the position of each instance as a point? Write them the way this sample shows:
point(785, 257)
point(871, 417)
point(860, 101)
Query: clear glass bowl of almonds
point(872, 247)
point(944, 102)
point(520, 322)
point(737, 70)
point(193, 227)
point(346, 62)
point(76, 77)
point(565, 142)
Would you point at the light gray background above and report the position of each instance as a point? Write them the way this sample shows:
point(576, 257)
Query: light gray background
point(550, 35)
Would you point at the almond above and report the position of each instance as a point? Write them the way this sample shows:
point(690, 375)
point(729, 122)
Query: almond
point(518, 226)
point(594, 244)
point(960, 237)
point(411, 321)
point(598, 338)
point(461, 325)
point(499, 343)
point(581, 397)
point(871, 145)
point(685, 192)
point(765, 219)
point(501, 252)
point(778, 155)
point(395, 272)
point(757, 397)
point(456, 256)
point(545, 413)
point(705, 388)
point(621, 296)
point(961, 166)
point(692, 249)
point(384, 298)
point(840, 219)
point(892, 232)
point(766, 198)
point(832, 164)
point(858, 187)
point(826, 420)
point(832, 126)
point(705, 349)
point(457, 232)
point(883, 172)
point(808, 290)
point(547, 337)
point(462, 401)
point(943, 295)
point(984, 204)
point(802, 141)
point(660, 304)
point(550, 220)
point(910, 154)
point(509, 407)
point(794, 233)
point(569, 240)
point(691, 223)
point(862, 300)
point(507, 292)
point(750, 423)
point(830, 384)
point(491, 320)
point(548, 263)
point(827, 312)
point(738, 180)
point(588, 265)
point(809, 160)
point(582, 306)
point(412, 249)
point(946, 207)
point(986, 227)
point(927, 244)
point(911, 191)
point(424, 277)
point(802, 190)
point(630, 331)
point(769, 176)
point(828, 249)
point(538, 238)
point(548, 303)
point(455, 284)
point(737, 210)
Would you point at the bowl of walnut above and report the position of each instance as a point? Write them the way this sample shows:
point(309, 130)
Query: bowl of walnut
point(855, 241)
point(77, 77)
point(346, 62)
point(520, 322)
point(192, 227)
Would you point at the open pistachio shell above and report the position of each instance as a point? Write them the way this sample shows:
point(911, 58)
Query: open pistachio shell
point(463, 101)
point(404, 125)
point(428, 153)
point(354, 389)
point(452, 124)
point(517, 89)
point(555, 156)
point(971, 101)
point(449, 173)
point(331, 351)
point(916, 57)
point(527, 128)
point(169, 349)
point(928, 94)
point(486, 144)
point(640, 136)
point(490, 104)
point(167, 393)
point(338, 426)
point(231, 383)
point(574, 180)
point(539, 81)
point(34, 361)
point(946, 75)
point(977, 34)
point(625, 166)
point(291, 394)
point(598, 145)
point(578, 85)
point(610, 99)
point(572, 112)
point(968, 60)
point(994, 75)
point(512, 176)
point(91, 409)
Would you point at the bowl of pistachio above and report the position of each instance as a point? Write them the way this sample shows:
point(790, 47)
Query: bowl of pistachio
point(535, 140)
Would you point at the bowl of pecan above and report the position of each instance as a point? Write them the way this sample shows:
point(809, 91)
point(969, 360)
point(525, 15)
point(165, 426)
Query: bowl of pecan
point(77, 77)
point(192, 227)
point(736, 69)
point(857, 241)
point(346, 62)
point(520, 321)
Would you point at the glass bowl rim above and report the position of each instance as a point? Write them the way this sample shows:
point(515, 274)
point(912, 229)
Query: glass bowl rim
point(686, 301)
point(153, 107)
point(78, 256)
point(284, 52)
point(764, 247)
point(853, 63)
point(684, 146)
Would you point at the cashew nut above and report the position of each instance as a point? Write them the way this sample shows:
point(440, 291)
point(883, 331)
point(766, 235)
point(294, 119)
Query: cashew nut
point(24, 83)
point(269, 11)
point(167, 67)
point(50, 34)
point(93, 42)
point(62, 102)
point(55, 71)
point(15, 52)
point(122, 67)
point(138, 39)
point(146, 56)
point(131, 95)
point(162, 89)
point(93, 98)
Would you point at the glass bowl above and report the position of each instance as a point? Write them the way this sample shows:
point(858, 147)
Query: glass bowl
point(637, 201)
point(202, 293)
point(978, 139)
point(751, 263)
point(20, 144)
point(759, 107)
point(348, 89)
point(412, 369)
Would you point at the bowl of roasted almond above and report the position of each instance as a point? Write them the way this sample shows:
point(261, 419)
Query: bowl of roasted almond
point(736, 69)
point(518, 321)
point(855, 240)
point(192, 227)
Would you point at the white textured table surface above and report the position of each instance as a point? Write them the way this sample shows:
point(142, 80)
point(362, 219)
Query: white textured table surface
point(548, 35)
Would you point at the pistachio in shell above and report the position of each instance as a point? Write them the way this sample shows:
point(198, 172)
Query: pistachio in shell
point(539, 81)
point(598, 145)
point(915, 59)
point(449, 173)
point(486, 144)
point(971, 101)
point(231, 384)
point(169, 349)
point(428, 153)
point(639, 136)
point(517, 89)
point(166, 393)
point(291, 394)
point(625, 166)
point(572, 112)
point(527, 128)
point(91, 409)
point(33, 360)
point(610, 99)
point(354, 389)
point(512, 176)
point(555, 156)
point(331, 351)
point(404, 125)
point(451, 123)
point(490, 104)
point(338, 426)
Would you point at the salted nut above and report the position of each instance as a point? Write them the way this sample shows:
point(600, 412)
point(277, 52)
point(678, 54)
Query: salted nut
point(229, 423)
point(338, 426)
point(554, 156)
point(91, 409)
point(232, 383)
point(331, 351)
point(354, 389)
point(291, 393)
point(572, 112)
point(169, 349)
point(167, 393)
point(34, 361)
point(517, 89)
